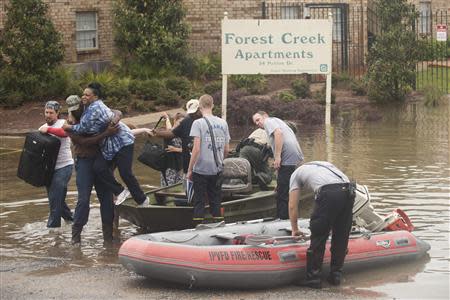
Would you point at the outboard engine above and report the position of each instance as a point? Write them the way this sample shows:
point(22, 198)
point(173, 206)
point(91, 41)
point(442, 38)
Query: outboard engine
point(364, 215)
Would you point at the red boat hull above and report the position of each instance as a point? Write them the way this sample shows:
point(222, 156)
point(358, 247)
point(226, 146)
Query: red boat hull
point(247, 266)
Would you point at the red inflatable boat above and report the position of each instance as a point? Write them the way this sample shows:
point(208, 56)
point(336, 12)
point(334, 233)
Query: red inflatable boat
point(254, 254)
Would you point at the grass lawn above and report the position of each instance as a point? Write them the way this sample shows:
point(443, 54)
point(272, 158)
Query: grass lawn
point(435, 76)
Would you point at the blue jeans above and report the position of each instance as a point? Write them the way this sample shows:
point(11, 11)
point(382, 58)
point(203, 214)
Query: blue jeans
point(124, 162)
point(86, 179)
point(56, 192)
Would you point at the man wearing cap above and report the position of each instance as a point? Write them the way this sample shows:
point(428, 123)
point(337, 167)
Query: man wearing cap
point(286, 152)
point(183, 130)
point(57, 189)
point(85, 150)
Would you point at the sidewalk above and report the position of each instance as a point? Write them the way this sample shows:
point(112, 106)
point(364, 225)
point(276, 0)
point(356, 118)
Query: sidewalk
point(149, 119)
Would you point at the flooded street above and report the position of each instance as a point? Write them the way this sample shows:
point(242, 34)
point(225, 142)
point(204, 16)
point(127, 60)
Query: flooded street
point(403, 159)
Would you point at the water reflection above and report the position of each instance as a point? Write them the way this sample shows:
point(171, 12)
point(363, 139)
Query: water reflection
point(404, 160)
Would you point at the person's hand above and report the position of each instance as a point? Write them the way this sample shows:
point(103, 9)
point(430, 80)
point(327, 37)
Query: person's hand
point(277, 163)
point(189, 175)
point(172, 149)
point(112, 129)
point(43, 128)
point(148, 131)
point(297, 232)
point(165, 115)
point(151, 132)
point(66, 126)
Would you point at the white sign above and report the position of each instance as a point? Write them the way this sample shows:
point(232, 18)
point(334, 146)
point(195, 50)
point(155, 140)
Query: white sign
point(276, 46)
point(441, 32)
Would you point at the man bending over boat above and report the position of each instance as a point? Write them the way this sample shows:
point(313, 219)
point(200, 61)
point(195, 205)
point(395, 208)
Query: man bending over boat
point(211, 138)
point(332, 211)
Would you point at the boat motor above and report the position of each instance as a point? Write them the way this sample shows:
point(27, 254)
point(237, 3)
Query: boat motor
point(364, 215)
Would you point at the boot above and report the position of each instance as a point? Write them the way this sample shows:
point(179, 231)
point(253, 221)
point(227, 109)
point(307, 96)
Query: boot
point(313, 273)
point(107, 233)
point(76, 235)
point(334, 278)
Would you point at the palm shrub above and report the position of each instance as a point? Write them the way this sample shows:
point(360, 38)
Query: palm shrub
point(30, 49)
point(393, 56)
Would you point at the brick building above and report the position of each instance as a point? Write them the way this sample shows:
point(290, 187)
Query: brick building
point(86, 25)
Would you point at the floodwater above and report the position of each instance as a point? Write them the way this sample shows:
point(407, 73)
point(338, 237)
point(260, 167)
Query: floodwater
point(403, 159)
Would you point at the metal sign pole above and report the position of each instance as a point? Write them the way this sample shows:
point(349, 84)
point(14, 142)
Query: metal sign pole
point(224, 84)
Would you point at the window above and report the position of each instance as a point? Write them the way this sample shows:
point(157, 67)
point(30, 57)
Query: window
point(425, 17)
point(86, 30)
point(290, 12)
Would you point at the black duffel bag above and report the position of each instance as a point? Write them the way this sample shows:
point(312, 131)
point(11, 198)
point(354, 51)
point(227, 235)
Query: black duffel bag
point(154, 155)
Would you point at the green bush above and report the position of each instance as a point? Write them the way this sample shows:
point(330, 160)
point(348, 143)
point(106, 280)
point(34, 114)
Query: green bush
point(286, 96)
point(301, 88)
point(168, 98)
point(321, 96)
point(254, 84)
point(151, 33)
point(393, 56)
point(63, 83)
point(358, 87)
point(117, 92)
point(30, 49)
point(149, 89)
point(105, 78)
point(212, 87)
point(143, 106)
point(341, 80)
point(433, 50)
point(208, 67)
point(180, 85)
point(433, 95)
point(11, 100)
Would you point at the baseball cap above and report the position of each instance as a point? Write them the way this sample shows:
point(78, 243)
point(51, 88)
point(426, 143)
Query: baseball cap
point(192, 106)
point(53, 105)
point(73, 103)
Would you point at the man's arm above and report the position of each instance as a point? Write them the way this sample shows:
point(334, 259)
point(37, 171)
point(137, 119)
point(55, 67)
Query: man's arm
point(278, 137)
point(226, 150)
point(95, 139)
point(194, 157)
point(293, 211)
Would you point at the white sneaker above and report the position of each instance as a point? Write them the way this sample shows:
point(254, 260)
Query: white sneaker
point(146, 203)
point(122, 196)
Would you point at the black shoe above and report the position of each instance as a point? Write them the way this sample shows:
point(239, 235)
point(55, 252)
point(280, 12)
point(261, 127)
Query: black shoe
point(311, 283)
point(76, 235)
point(334, 279)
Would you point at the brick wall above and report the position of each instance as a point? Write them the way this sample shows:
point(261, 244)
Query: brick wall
point(62, 13)
point(203, 16)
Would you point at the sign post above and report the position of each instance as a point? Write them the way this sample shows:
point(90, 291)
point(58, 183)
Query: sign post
point(289, 46)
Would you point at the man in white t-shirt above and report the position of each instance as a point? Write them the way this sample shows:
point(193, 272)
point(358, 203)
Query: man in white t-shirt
point(57, 189)
point(206, 162)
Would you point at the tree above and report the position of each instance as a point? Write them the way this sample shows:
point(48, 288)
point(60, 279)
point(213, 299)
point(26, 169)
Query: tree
point(393, 56)
point(30, 49)
point(151, 33)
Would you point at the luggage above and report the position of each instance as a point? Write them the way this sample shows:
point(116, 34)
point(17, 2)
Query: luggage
point(154, 156)
point(38, 158)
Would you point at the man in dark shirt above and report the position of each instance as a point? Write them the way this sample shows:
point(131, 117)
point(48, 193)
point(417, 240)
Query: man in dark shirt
point(183, 130)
